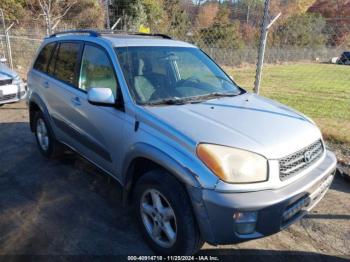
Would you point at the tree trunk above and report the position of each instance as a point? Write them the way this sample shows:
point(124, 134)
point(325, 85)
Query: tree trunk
point(248, 13)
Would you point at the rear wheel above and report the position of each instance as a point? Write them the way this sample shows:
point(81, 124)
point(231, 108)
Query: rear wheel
point(165, 215)
point(46, 141)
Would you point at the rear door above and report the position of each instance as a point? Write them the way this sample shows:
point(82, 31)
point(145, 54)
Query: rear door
point(63, 70)
point(37, 77)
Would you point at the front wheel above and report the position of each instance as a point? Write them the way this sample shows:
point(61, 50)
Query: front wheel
point(165, 215)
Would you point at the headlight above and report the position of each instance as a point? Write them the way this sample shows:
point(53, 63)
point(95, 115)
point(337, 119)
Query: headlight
point(233, 165)
point(17, 80)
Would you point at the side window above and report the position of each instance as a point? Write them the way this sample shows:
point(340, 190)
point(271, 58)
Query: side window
point(67, 62)
point(44, 57)
point(52, 63)
point(96, 70)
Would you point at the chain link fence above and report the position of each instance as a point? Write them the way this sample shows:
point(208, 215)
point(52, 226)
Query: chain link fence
point(305, 59)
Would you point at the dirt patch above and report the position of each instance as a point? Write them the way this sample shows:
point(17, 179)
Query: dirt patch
point(68, 207)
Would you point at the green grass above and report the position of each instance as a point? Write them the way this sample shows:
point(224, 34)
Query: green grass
point(321, 91)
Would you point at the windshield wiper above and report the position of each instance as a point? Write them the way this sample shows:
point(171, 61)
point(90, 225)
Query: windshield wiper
point(192, 99)
point(168, 101)
point(223, 94)
point(216, 94)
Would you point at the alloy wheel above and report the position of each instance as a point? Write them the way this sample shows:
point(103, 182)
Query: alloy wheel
point(42, 134)
point(158, 218)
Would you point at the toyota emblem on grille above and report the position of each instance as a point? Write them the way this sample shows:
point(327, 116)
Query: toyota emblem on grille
point(307, 156)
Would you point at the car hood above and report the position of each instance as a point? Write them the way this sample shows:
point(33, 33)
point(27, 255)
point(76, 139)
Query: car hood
point(247, 122)
point(6, 73)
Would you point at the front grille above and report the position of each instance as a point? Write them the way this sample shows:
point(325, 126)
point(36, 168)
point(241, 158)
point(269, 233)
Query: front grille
point(297, 162)
point(4, 82)
point(7, 97)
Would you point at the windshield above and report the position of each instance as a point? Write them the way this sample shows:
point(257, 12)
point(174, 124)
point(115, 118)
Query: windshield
point(156, 74)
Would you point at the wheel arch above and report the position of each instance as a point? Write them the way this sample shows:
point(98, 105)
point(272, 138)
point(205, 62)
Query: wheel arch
point(144, 158)
point(36, 104)
point(150, 158)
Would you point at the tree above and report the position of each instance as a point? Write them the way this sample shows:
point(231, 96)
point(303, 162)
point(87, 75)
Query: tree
point(227, 36)
point(223, 16)
point(206, 14)
point(293, 7)
point(250, 4)
point(224, 33)
point(86, 14)
point(337, 14)
point(157, 18)
point(303, 30)
point(51, 11)
point(13, 9)
point(179, 22)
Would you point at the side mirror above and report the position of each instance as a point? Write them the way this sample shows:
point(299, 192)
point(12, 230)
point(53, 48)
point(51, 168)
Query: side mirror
point(3, 60)
point(101, 97)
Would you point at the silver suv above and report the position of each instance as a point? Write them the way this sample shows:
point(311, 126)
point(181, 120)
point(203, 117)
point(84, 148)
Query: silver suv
point(200, 158)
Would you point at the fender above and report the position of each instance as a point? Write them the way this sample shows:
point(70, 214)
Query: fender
point(35, 98)
point(181, 172)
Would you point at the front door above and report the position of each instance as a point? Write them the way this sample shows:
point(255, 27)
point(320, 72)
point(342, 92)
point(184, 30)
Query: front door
point(100, 128)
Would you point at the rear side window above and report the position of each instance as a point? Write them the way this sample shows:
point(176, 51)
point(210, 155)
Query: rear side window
point(44, 57)
point(67, 62)
point(52, 63)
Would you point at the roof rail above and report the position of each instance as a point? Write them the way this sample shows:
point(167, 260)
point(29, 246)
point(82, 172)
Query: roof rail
point(81, 31)
point(155, 35)
point(134, 33)
point(94, 33)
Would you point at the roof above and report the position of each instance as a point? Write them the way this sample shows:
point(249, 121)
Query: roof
point(121, 39)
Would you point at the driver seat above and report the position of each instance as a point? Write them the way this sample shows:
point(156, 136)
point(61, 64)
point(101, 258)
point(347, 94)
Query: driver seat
point(143, 87)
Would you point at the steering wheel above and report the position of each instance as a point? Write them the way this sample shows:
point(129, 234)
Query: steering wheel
point(192, 79)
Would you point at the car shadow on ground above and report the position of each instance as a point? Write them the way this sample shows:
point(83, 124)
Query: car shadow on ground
point(59, 206)
point(340, 184)
point(66, 206)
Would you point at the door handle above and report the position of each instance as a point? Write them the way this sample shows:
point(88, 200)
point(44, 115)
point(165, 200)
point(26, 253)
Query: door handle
point(46, 84)
point(76, 101)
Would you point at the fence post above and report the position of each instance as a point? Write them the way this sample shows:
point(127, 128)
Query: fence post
point(262, 47)
point(4, 29)
point(8, 43)
point(108, 22)
point(266, 24)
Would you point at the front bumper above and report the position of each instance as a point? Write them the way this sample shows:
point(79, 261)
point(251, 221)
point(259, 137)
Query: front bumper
point(277, 209)
point(12, 93)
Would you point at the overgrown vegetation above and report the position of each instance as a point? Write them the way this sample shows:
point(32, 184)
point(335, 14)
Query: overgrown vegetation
point(230, 24)
point(228, 30)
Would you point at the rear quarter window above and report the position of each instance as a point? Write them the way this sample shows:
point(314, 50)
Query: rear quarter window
point(44, 57)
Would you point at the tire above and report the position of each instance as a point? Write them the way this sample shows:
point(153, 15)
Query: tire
point(52, 148)
point(187, 240)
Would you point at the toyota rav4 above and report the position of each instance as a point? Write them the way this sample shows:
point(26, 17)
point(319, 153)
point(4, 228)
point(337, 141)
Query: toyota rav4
point(200, 158)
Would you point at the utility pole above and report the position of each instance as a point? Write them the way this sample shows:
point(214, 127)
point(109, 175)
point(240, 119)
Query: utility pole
point(265, 26)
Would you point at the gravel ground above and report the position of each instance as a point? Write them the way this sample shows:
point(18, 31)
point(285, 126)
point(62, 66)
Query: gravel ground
point(68, 207)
